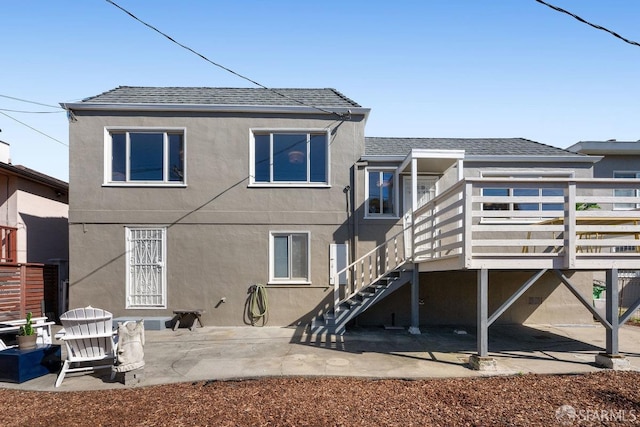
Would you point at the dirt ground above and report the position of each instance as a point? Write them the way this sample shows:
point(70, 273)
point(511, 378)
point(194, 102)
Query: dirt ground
point(603, 398)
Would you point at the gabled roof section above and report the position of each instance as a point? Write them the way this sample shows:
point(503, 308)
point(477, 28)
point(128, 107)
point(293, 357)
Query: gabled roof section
point(216, 99)
point(222, 96)
point(473, 147)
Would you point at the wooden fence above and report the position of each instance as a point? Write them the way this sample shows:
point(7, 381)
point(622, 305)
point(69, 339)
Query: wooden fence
point(23, 288)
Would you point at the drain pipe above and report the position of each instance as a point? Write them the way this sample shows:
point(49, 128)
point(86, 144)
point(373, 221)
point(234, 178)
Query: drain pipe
point(355, 194)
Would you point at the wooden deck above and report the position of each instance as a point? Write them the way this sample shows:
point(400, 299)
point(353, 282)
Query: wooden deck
point(468, 227)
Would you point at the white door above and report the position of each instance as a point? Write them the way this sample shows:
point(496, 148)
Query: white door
point(338, 260)
point(146, 277)
point(426, 191)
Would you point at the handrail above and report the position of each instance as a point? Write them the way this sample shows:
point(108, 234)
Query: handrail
point(352, 278)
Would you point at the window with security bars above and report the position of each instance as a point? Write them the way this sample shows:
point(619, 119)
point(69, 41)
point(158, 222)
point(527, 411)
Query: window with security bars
point(146, 274)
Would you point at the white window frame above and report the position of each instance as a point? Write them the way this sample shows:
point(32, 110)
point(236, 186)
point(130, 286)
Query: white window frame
point(108, 166)
point(289, 281)
point(163, 263)
point(271, 182)
point(396, 190)
point(616, 206)
point(520, 174)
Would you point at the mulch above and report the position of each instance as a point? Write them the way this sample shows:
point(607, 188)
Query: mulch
point(602, 398)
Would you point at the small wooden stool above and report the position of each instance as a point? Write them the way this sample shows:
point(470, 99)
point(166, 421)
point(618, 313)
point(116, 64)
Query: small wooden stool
point(182, 315)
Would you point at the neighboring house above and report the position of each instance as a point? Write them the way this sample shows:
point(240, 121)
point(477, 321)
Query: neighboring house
point(186, 197)
point(34, 232)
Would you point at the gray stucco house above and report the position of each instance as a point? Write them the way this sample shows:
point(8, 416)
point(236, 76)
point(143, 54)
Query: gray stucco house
point(186, 197)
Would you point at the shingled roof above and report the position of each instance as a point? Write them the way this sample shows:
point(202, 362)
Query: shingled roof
point(377, 146)
point(223, 96)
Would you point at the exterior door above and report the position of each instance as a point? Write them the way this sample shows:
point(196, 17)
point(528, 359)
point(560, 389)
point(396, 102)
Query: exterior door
point(146, 276)
point(426, 191)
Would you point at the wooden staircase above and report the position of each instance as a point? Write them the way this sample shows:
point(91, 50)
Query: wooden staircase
point(334, 322)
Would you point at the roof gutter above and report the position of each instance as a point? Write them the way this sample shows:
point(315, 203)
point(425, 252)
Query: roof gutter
point(534, 159)
point(83, 106)
point(494, 159)
point(50, 182)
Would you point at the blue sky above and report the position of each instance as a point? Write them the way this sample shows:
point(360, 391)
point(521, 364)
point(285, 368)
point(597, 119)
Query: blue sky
point(430, 68)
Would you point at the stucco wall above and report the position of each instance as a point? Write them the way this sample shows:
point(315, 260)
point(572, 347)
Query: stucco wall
point(449, 298)
point(40, 213)
point(217, 226)
point(46, 227)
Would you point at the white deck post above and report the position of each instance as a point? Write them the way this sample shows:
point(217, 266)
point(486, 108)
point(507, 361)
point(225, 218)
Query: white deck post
point(467, 248)
point(570, 226)
point(415, 281)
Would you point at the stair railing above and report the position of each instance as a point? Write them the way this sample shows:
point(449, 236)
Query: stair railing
point(367, 269)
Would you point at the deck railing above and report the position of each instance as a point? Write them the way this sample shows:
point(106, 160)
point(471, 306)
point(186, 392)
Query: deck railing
point(367, 269)
point(535, 222)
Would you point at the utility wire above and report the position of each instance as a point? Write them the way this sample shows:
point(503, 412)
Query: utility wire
point(30, 112)
point(32, 102)
point(596, 26)
point(34, 129)
point(220, 65)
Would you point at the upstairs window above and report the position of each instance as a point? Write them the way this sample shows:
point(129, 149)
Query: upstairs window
point(523, 192)
point(627, 192)
point(514, 192)
point(290, 158)
point(139, 157)
point(381, 198)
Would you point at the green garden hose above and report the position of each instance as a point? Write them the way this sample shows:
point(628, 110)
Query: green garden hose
point(258, 304)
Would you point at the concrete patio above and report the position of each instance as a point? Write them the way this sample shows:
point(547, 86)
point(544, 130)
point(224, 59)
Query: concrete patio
point(222, 353)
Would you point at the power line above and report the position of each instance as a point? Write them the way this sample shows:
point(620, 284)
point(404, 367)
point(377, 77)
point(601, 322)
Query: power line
point(34, 129)
point(220, 65)
point(596, 26)
point(30, 112)
point(31, 102)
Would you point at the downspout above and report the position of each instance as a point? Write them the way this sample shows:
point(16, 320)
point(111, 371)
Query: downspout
point(355, 195)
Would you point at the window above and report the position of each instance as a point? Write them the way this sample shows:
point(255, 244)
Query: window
point(289, 257)
point(290, 158)
point(527, 190)
point(146, 275)
point(522, 192)
point(627, 192)
point(145, 157)
point(381, 198)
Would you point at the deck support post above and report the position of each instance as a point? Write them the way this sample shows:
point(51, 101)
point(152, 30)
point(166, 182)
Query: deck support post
point(481, 361)
point(415, 301)
point(611, 358)
point(612, 311)
point(483, 312)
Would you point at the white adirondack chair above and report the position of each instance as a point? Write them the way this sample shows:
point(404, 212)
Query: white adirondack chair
point(89, 338)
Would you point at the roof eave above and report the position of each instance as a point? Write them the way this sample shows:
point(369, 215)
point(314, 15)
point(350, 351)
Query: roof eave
point(35, 177)
point(535, 159)
point(87, 106)
point(606, 147)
